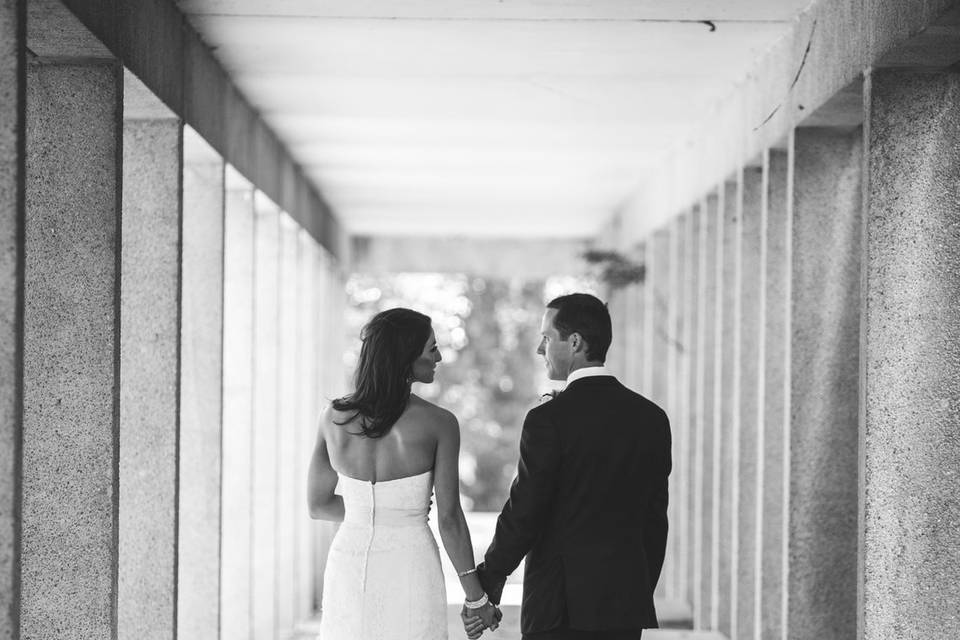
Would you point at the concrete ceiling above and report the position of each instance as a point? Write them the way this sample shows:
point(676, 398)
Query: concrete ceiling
point(485, 117)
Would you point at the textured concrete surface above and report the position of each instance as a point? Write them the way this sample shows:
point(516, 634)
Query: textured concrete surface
point(911, 443)
point(691, 423)
point(11, 303)
point(201, 396)
point(235, 593)
point(265, 408)
point(725, 463)
point(743, 622)
point(71, 353)
point(149, 378)
point(658, 285)
point(704, 491)
point(286, 433)
point(308, 410)
point(824, 384)
point(775, 353)
point(678, 408)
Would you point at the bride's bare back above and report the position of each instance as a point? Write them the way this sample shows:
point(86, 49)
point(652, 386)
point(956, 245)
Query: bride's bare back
point(408, 449)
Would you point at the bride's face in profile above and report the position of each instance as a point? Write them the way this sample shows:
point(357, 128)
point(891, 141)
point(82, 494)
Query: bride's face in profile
point(425, 367)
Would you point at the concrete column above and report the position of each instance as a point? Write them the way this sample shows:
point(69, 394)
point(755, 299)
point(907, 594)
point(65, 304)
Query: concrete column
point(744, 620)
point(12, 104)
point(677, 406)
point(308, 410)
point(727, 389)
point(235, 569)
point(774, 384)
point(824, 378)
point(621, 326)
point(71, 355)
point(322, 531)
point(265, 424)
point(910, 457)
point(201, 400)
point(691, 418)
point(287, 493)
point(705, 493)
point(149, 378)
point(660, 344)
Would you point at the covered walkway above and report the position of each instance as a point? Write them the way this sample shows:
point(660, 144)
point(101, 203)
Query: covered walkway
point(184, 187)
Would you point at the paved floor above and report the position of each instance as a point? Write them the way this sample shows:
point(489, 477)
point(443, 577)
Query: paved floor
point(510, 629)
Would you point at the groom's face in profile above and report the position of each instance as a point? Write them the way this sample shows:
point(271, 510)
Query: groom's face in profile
point(556, 352)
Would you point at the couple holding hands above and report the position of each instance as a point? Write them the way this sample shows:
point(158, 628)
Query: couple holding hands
point(587, 508)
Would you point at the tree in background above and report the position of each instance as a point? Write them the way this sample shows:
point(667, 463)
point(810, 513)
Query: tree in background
point(491, 375)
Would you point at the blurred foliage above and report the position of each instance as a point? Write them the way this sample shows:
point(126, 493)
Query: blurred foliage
point(488, 331)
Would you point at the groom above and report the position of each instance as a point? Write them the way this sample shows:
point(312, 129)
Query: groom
point(588, 507)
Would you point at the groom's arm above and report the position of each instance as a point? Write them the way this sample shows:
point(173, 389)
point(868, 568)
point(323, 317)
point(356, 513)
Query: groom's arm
point(526, 512)
point(655, 531)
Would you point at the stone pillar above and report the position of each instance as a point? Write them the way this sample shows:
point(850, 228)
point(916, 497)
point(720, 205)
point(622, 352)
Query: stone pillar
point(824, 379)
point(286, 426)
point(308, 410)
point(12, 101)
point(149, 378)
point(265, 405)
point(910, 575)
point(744, 620)
point(774, 382)
point(322, 531)
point(201, 391)
point(658, 288)
point(727, 390)
point(235, 570)
point(705, 494)
point(71, 352)
point(677, 406)
point(691, 417)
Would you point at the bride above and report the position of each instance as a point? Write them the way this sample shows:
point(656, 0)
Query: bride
point(389, 450)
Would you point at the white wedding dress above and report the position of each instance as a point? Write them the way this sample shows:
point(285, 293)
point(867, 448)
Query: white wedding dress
point(383, 579)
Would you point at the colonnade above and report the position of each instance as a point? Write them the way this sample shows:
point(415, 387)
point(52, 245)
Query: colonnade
point(168, 335)
point(799, 322)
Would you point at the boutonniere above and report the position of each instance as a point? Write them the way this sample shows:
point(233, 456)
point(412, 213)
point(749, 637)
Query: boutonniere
point(548, 396)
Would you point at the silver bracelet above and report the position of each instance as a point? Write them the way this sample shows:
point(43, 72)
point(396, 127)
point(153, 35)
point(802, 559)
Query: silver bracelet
point(467, 572)
point(477, 604)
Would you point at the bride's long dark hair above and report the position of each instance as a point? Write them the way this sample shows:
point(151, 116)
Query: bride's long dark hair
point(392, 342)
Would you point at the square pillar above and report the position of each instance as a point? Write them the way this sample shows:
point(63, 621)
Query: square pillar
point(266, 335)
point(910, 457)
point(149, 378)
point(690, 400)
point(71, 351)
point(236, 549)
point(705, 491)
point(201, 390)
point(12, 140)
point(774, 383)
point(750, 412)
point(308, 412)
point(727, 389)
point(287, 482)
point(658, 292)
point(824, 380)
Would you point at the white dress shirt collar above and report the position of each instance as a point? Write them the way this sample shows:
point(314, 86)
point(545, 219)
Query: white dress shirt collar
point(585, 372)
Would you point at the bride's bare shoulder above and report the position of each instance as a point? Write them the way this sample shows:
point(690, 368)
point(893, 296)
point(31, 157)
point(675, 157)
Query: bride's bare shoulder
point(431, 413)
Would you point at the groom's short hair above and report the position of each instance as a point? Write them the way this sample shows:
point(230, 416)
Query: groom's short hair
point(584, 314)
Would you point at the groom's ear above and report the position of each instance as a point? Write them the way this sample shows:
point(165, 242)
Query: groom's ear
point(577, 342)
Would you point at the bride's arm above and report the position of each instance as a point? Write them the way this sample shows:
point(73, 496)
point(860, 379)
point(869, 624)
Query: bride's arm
point(450, 519)
point(323, 503)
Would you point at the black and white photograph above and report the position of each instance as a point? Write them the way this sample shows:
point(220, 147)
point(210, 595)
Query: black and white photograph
point(479, 319)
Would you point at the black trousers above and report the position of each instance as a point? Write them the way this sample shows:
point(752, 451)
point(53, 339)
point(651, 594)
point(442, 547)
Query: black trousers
point(575, 634)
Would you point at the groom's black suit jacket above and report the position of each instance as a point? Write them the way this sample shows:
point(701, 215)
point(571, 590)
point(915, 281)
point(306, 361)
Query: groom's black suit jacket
point(588, 509)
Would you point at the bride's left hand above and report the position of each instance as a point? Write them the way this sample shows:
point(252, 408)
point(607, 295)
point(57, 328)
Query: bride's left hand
point(472, 623)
